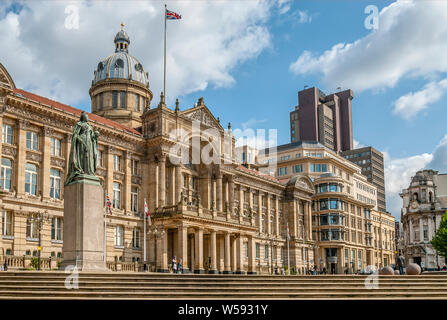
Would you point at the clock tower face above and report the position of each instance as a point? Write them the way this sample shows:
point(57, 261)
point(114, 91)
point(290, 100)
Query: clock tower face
point(414, 204)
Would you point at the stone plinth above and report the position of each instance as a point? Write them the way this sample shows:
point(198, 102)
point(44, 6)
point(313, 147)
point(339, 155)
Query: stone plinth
point(84, 225)
point(386, 271)
point(413, 269)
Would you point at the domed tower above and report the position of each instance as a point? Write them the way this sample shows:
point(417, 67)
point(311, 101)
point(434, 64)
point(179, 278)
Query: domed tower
point(120, 87)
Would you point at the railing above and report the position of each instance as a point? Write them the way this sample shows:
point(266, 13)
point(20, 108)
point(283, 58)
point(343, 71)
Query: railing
point(26, 262)
point(124, 266)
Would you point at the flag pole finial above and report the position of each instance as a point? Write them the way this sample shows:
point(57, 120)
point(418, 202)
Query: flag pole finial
point(122, 26)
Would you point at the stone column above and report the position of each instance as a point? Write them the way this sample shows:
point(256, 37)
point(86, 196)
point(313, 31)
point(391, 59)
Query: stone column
point(162, 181)
point(178, 184)
point(410, 223)
point(47, 133)
point(153, 187)
point(221, 242)
point(164, 252)
point(127, 181)
point(421, 230)
point(277, 216)
point(21, 157)
point(241, 199)
point(199, 251)
point(183, 247)
point(219, 193)
point(268, 216)
point(234, 254)
point(240, 254)
point(260, 210)
point(251, 255)
point(108, 184)
point(306, 220)
point(309, 216)
point(227, 262)
point(231, 194)
point(213, 268)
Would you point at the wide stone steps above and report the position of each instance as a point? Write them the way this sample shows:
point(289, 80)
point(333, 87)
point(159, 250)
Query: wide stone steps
point(51, 285)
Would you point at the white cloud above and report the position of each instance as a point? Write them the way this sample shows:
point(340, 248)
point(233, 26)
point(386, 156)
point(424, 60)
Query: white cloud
point(411, 41)
point(45, 57)
point(412, 103)
point(357, 144)
point(398, 173)
point(284, 6)
point(304, 17)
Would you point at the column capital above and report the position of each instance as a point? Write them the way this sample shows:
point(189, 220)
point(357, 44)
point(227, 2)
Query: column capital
point(47, 131)
point(23, 124)
point(68, 136)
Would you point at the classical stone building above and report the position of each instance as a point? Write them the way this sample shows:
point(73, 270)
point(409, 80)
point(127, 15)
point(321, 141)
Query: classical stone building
point(347, 229)
point(424, 202)
point(216, 217)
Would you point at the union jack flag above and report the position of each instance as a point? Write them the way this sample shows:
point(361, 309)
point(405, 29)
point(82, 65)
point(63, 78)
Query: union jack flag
point(109, 204)
point(171, 15)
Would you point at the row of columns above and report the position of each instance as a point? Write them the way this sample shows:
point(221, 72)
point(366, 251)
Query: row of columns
point(226, 251)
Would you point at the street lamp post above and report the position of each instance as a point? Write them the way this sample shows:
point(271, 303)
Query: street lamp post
point(39, 218)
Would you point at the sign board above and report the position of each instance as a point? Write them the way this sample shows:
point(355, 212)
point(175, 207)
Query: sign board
point(39, 248)
point(332, 259)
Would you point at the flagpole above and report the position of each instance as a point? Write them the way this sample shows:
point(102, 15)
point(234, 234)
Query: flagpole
point(105, 226)
point(144, 238)
point(164, 82)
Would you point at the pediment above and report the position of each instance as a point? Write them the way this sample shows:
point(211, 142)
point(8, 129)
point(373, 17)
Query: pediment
point(202, 114)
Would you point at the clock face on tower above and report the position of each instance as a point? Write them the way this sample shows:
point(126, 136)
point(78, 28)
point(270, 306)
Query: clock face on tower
point(414, 204)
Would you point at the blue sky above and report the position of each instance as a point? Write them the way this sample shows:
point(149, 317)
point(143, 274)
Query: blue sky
point(249, 59)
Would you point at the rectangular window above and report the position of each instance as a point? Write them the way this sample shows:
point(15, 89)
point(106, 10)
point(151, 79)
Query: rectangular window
point(116, 195)
point(55, 184)
point(425, 233)
point(100, 157)
point(56, 229)
point(324, 221)
point(134, 199)
point(7, 133)
point(323, 168)
point(137, 102)
point(116, 162)
point(7, 218)
point(31, 229)
point(135, 167)
point(136, 238)
point(115, 99)
point(266, 252)
point(55, 147)
point(119, 241)
point(31, 140)
point(6, 172)
point(312, 167)
point(31, 179)
point(257, 251)
point(101, 100)
point(246, 250)
point(334, 204)
point(123, 99)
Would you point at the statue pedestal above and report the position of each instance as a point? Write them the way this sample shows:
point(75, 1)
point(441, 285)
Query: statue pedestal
point(84, 225)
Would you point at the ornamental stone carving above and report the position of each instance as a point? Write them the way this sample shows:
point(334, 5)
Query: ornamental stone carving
point(58, 162)
point(33, 156)
point(10, 151)
point(136, 180)
point(118, 175)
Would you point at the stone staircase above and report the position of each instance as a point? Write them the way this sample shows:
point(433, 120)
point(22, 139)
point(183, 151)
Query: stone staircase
point(51, 285)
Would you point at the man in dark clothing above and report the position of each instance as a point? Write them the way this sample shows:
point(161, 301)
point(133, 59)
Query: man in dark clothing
point(400, 264)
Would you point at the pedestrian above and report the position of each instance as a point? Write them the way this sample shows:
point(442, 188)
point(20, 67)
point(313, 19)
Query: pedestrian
point(5, 266)
point(324, 270)
point(174, 265)
point(444, 268)
point(276, 270)
point(180, 266)
point(400, 264)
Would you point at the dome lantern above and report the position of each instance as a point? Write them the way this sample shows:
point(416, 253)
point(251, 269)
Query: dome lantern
point(122, 41)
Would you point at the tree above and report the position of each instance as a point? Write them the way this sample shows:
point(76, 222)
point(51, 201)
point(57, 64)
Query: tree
point(439, 241)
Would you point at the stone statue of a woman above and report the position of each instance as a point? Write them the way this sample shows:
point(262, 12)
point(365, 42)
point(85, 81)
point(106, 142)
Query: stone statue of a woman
point(84, 152)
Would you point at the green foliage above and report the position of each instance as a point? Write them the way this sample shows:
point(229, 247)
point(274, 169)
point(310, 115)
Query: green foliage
point(34, 263)
point(439, 241)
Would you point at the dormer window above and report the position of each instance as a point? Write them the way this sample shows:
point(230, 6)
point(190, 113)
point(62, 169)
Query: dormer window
point(119, 63)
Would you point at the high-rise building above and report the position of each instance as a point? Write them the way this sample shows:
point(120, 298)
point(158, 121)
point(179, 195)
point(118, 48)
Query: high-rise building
point(371, 162)
point(323, 118)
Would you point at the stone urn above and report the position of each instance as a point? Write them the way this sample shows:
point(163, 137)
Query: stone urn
point(413, 269)
point(386, 271)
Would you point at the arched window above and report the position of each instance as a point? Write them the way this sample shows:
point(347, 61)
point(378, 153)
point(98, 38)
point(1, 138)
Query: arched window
point(430, 196)
point(415, 196)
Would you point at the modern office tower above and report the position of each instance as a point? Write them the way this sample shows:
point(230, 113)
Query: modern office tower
point(371, 162)
point(323, 118)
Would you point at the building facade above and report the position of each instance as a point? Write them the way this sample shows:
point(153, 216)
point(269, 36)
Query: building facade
point(216, 217)
point(424, 203)
point(372, 164)
point(323, 118)
point(348, 230)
